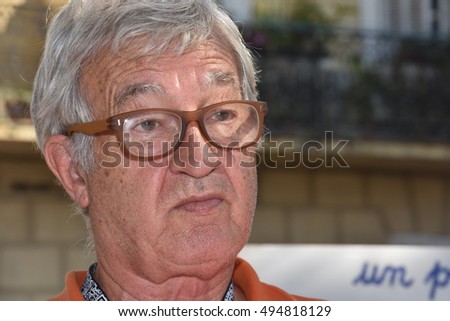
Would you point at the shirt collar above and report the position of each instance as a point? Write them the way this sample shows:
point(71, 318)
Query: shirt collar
point(92, 291)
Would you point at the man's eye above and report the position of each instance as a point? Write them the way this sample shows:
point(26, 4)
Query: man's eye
point(147, 126)
point(223, 115)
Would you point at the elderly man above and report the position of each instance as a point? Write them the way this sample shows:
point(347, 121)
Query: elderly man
point(146, 113)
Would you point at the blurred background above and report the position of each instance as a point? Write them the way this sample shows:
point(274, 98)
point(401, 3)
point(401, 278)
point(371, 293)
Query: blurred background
point(357, 147)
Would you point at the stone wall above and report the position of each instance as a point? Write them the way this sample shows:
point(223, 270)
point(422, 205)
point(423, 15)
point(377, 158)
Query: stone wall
point(367, 206)
point(370, 202)
point(22, 34)
point(40, 238)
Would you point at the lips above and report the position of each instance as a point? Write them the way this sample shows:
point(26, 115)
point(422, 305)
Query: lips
point(199, 204)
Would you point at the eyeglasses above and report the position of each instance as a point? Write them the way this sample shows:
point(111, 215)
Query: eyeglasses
point(156, 132)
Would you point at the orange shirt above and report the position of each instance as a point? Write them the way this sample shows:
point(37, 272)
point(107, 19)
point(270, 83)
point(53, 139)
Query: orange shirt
point(244, 277)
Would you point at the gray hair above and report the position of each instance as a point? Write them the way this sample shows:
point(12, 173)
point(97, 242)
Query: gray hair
point(84, 27)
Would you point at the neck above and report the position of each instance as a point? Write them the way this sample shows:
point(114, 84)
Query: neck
point(123, 284)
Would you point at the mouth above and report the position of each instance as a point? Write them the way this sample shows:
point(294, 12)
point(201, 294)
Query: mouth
point(202, 204)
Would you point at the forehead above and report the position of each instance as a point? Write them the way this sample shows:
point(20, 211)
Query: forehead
point(209, 52)
point(125, 73)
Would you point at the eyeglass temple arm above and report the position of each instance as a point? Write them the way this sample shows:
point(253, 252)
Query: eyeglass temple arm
point(91, 128)
point(264, 108)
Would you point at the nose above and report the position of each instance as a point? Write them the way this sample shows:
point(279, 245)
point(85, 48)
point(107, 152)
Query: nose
point(195, 157)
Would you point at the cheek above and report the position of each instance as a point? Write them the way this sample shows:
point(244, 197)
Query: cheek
point(108, 191)
point(243, 171)
point(248, 182)
point(244, 180)
point(108, 154)
point(123, 208)
point(243, 210)
point(124, 186)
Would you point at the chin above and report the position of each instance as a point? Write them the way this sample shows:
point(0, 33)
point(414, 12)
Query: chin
point(217, 252)
point(207, 245)
point(208, 265)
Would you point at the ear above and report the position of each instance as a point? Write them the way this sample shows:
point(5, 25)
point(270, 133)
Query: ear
point(72, 177)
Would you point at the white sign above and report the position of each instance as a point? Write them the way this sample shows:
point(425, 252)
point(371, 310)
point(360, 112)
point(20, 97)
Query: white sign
point(354, 272)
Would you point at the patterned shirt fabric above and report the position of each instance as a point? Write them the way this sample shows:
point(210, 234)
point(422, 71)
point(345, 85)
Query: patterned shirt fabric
point(92, 292)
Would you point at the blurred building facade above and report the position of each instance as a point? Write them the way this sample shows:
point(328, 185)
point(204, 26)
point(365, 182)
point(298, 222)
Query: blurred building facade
point(410, 17)
point(394, 189)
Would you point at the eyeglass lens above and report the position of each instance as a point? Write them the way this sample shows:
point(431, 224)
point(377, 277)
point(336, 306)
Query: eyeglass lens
point(153, 133)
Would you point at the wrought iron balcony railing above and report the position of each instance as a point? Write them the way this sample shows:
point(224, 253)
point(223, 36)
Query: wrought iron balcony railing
point(357, 84)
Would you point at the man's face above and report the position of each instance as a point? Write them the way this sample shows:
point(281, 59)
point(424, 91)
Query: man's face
point(186, 213)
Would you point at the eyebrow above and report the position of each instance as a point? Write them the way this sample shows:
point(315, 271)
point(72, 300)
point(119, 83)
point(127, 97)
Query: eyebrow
point(219, 78)
point(214, 78)
point(134, 90)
